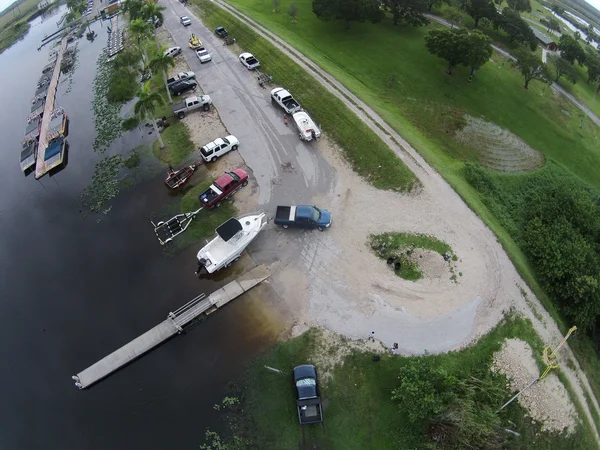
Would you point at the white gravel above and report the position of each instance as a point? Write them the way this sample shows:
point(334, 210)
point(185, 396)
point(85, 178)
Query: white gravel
point(547, 401)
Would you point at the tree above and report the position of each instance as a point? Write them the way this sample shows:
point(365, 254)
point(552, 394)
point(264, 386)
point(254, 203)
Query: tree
point(162, 62)
point(553, 24)
point(133, 8)
point(519, 5)
point(477, 51)
point(140, 30)
point(531, 67)
point(146, 106)
point(516, 28)
point(448, 44)
point(152, 11)
point(479, 9)
point(570, 49)
point(293, 12)
point(276, 5)
point(593, 66)
point(577, 35)
point(431, 3)
point(348, 10)
point(562, 67)
point(410, 11)
point(558, 10)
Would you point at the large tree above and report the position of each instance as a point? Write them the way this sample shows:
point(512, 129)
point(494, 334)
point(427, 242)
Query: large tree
point(409, 11)
point(146, 106)
point(152, 12)
point(516, 28)
point(141, 30)
point(477, 51)
point(562, 67)
point(519, 5)
point(448, 44)
point(531, 67)
point(133, 8)
point(432, 3)
point(592, 63)
point(478, 9)
point(162, 63)
point(571, 50)
point(348, 10)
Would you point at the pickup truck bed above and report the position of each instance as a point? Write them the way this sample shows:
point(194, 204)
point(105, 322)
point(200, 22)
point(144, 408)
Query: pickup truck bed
point(285, 213)
point(210, 195)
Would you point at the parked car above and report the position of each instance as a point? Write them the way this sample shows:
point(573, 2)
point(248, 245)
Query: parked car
point(172, 51)
point(191, 104)
point(249, 61)
point(221, 32)
point(308, 401)
point(284, 99)
point(303, 216)
point(217, 148)
point(157, 22)
point(223, 188)
point(203, 55)
point(183, 86)
point(181, 76)
point(185, 21)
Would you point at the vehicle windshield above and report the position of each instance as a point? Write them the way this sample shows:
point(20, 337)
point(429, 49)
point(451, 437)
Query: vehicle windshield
point(206, 151)
point(226, 141)
point(316, 214)
point(251, 60)
point(234, 176)
point(304, 382)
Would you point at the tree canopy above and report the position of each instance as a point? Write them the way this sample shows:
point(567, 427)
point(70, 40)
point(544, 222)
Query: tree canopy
point(458, 46)
point(516, 28)
point(562, 67)
point(592, 63)
point(409, 11)
point(478, 9)
point(531, 67)
point(570, 49)
point(348, 10)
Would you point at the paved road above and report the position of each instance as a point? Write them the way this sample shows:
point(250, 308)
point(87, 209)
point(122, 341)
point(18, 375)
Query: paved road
point(266, 143)
point(593, 117)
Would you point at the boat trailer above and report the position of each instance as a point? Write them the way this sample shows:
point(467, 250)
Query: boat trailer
point(167, 231)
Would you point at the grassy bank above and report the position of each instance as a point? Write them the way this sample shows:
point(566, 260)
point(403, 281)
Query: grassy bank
point(366, 152)
point(427, 107)
point(360, 412)
point(177, 144)
point(12, 34)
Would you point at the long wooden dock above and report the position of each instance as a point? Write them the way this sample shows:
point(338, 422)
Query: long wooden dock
point(42, 166)
point(173, 325)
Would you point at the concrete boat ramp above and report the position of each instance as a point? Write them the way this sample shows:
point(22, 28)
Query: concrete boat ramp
point(174, 324)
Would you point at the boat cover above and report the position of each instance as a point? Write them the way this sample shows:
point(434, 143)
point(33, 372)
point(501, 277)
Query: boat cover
point(54, 148)
point(229, 229)
point(28, 150)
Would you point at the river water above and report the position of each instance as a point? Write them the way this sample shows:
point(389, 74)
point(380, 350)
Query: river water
point(75, 289)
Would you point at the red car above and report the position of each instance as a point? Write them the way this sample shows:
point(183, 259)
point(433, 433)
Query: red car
point(223, 188)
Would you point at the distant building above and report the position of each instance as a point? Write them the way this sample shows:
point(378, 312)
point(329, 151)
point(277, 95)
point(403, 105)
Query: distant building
point(45, 3)
point(544, 40)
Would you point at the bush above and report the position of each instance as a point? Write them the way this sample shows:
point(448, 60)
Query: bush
point(130, 123)
point(123, 85)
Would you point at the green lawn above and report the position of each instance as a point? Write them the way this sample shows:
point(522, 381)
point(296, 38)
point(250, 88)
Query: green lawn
point(359, 411)
point(177, 144)
point(426, 106)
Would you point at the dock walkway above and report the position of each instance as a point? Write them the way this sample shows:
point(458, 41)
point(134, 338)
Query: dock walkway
point(41, 168)
point(170, 327)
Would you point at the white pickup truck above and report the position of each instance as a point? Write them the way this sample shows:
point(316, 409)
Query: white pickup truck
point(284, 99)
point(180, 77)
point(191, 104)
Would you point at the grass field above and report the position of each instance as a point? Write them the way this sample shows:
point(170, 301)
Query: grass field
point(12, 34)
point(24, 10)
point(359, 411)
point(426, 106)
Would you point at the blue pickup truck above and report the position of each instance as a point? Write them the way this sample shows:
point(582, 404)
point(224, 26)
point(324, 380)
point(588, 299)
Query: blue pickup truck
point(303, 216)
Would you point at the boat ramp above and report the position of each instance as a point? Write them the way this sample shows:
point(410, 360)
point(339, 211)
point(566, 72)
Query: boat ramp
point(174, 324)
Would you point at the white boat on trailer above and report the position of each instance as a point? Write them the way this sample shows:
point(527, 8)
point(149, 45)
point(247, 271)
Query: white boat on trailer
point(232, 238)
point(307, 129)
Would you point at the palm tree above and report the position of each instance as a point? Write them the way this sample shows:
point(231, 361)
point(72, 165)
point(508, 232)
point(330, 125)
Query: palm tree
point(162, 62)
point(133, 8)
point(140, 30)
point(146, 106)
point(153, 11)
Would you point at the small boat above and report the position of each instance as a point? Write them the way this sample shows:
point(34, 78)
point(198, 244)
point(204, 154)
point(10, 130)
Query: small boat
point(194, 42)
point(231, 240)
point(307, 129)
point(28, 155)
point(177, 178)
point(59, 123)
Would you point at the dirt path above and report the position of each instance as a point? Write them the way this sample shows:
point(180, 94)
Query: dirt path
point(333, 280)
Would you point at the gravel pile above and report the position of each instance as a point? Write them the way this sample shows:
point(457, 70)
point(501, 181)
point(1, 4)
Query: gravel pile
point(547, 401)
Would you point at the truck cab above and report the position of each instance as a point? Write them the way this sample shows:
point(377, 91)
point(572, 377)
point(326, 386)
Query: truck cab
point(303, 216)
point(307, 392)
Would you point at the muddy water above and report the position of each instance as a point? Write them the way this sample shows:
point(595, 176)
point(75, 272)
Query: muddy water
point(75, 289)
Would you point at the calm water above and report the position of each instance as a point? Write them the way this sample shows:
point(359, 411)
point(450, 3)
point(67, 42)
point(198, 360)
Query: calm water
point(73, 290)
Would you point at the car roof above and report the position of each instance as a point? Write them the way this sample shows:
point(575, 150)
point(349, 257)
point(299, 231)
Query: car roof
point(223, 179)
point(305, 371)
point(246, 54)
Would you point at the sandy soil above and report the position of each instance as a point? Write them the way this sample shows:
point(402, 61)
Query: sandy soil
point(547, 401)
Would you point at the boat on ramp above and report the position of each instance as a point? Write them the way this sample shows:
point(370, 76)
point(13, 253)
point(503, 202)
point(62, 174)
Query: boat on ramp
point(231, 240)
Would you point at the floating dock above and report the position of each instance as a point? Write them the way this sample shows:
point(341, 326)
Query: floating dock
point(44, 165)
point(173, 325)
